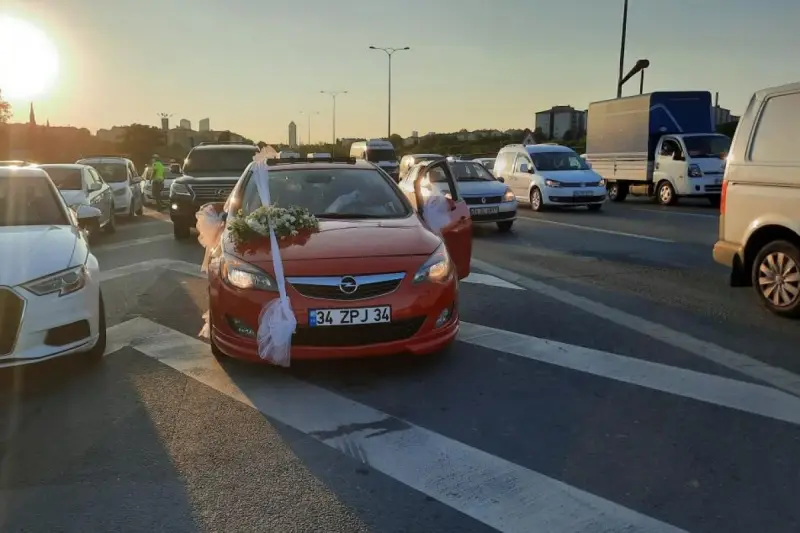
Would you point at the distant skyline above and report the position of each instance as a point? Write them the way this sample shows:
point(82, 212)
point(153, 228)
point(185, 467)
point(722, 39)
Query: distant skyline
point(253, 69)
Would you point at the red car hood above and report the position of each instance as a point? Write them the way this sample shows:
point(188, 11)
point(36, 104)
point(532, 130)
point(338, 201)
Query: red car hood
point(340, 239)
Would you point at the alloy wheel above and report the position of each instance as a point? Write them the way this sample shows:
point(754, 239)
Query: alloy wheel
point(779, 279)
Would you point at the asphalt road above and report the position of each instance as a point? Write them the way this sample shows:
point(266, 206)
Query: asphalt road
point(606, 379)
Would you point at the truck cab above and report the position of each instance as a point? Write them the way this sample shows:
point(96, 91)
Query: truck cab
point(689, 165)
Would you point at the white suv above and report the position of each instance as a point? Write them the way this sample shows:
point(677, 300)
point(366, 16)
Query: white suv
point(759, 225)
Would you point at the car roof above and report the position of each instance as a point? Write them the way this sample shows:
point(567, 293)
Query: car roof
point(104, 159)
point(23, 172)
point(320, 164)
point(424, 155)
point(76, 166)
point(250, 147)
point(537, 148)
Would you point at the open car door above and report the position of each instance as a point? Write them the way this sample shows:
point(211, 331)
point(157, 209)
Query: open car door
point(436, 194)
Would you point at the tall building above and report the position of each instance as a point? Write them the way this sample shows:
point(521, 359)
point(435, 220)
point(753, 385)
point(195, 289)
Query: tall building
point(555, 122)
point(186, 124)
point(292, 135)
point(165, 123)
point(205, 124)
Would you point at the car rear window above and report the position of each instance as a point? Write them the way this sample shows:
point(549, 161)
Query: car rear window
point(66, 179)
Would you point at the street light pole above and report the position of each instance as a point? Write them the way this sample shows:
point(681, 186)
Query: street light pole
point(389, 53)
point(308, 116)
point(333, 95)
point(622, 49)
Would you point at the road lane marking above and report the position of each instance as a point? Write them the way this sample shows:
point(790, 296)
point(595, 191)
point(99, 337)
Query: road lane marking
point(598, 230)
point(137, 225)
point(717, 390)
point(492, 281)
point(492, 490)
point(744, 364)
point(133, 242)
point(664, 212)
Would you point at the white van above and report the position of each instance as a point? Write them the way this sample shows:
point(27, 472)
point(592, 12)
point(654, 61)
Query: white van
point(549, 175)
point(378, 151)
point(759, 225)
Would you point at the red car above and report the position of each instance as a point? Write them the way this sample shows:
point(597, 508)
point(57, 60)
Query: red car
point(373, 280)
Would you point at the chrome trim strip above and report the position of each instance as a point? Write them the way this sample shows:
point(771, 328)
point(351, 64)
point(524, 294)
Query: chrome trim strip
point(21, 319)
point(334, 281)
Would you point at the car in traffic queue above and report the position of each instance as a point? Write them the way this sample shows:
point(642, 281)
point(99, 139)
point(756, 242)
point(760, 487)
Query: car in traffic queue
point(488, 162)
point(373, 280)
point(550, 175)
point(210, 171)
point(409, 160)
point(121, 175)
point(82, 185)
point(50, 299)
point(490, 200)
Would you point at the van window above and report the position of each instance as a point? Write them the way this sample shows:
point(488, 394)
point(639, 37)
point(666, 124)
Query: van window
point(501, 164)
point(521, 159)
point(775, 140)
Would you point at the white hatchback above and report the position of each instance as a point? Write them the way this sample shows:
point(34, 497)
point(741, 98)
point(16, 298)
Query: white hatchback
point(50, 301)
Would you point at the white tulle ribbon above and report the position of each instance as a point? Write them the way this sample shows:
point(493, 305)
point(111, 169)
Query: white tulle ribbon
point(276, 322)
point(210, 226)
point(436, 212)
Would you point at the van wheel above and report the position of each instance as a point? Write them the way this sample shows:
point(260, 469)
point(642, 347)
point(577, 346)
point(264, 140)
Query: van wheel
point(617, 192)
point(665, 194)
point(776, 278)
point(537, 204)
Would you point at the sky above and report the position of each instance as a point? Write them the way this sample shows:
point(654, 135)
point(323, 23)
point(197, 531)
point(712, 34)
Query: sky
point(252, 66)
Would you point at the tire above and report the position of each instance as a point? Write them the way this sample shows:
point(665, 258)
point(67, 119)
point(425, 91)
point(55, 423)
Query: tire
point(215, 351)
point(93, 230)
point(111, 226)
point(665, 194)
point(537, 204)
point(595, 207)
point(99, 349)
point(617, 192)
point(505, 227)
point(180, 231)
point(714, 200)
point(778, 258)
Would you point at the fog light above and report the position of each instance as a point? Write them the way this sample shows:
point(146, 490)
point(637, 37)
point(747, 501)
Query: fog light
point(444, 317)
point(174, 207)
point(240, 327)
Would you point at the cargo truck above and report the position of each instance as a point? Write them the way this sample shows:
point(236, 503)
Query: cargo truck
point(662, 145)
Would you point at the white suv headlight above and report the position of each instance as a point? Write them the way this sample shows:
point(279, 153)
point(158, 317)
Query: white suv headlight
point(64, 282)
point(437, 268)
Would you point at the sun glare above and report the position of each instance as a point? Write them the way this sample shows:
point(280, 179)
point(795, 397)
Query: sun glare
point(28, 60)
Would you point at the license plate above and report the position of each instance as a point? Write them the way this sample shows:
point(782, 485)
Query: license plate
point(582, 193)
point(350, 317)
point(484, 211)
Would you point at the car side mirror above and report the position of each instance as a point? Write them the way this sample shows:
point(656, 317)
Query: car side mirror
point(501, 179)
point(86, 213)
point(94, 187)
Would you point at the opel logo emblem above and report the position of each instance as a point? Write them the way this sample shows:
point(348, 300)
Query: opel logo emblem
point(222, 192)
point(348, 285)
point(483, 200)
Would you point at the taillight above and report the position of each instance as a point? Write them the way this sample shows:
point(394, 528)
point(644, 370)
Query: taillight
point(723, 197)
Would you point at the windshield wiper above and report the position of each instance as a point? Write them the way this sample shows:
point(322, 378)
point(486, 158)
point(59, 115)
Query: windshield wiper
point(349, 215)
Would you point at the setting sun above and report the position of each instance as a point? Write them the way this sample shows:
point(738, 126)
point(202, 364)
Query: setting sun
point(28, 60)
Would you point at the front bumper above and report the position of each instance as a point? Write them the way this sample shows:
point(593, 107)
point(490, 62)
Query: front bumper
point(573, 195)
point(43, 333)
point(705, 186)
point(122, 201)
point(415, 309)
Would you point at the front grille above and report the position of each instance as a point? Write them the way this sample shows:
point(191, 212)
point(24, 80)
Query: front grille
point(472, 200)
point(327, 292)
point(328, 287)
point(211, 193)
point(576, 199)
point(120, 192)
point(356, 335)
point(11, 307)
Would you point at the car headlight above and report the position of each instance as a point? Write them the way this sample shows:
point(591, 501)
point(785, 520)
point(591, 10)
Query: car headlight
point(437, 268)
point(243, 275)
point(179, 189)
point(509, 196)
point(64, 282)
point(601, 183)
point(552, 183)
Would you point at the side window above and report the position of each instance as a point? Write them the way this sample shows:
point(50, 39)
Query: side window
point(412, 175)
point(132, 170)
point(521, 159)
point(668, 148)
point(93, 177)
point(775, 140)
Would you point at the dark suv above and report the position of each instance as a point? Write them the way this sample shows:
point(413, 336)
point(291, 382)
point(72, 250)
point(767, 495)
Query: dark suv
point(209, 174)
